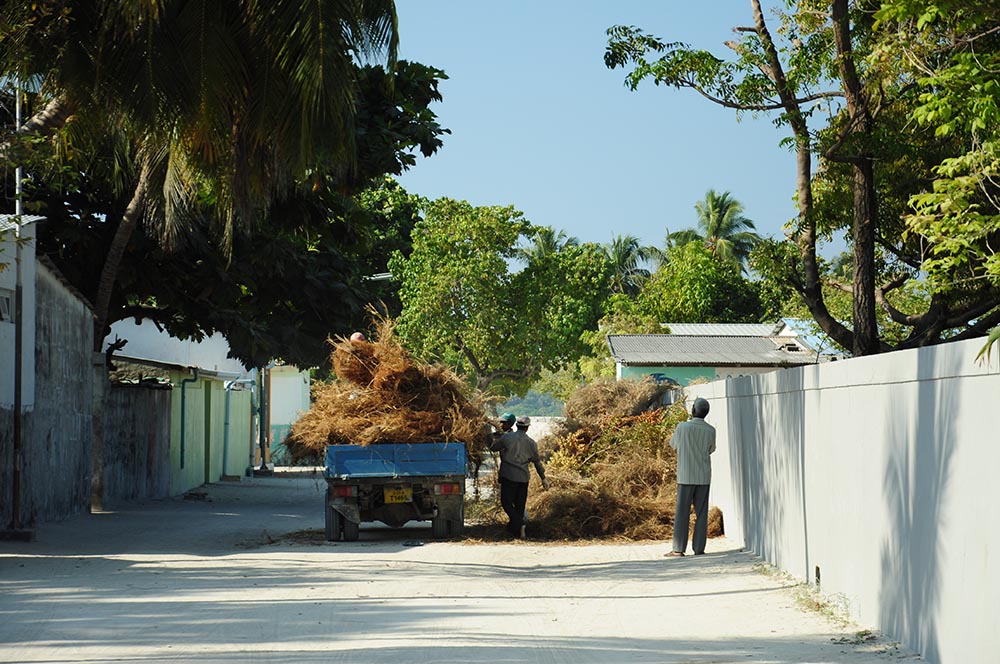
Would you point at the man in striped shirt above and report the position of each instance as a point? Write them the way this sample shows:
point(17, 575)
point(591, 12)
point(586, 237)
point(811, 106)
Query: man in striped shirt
point(694, 441)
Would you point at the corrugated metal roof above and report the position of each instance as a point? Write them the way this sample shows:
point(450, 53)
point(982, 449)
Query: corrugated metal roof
point(703, 350)
point(726, 329)
point(9, 221)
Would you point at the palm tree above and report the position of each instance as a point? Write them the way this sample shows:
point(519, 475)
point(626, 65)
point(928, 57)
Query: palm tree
point(626, 257)
point(546, 241)
point(228, 101)
point(722, 227)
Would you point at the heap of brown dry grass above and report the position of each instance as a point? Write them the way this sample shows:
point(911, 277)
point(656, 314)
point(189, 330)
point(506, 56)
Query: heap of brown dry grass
point(383, 395)
point(611, 470)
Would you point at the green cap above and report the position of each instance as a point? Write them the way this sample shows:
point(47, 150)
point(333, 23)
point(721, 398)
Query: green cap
point(507, 417)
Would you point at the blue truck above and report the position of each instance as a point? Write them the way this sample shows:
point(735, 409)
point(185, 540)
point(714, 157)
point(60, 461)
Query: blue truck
point(395, 483)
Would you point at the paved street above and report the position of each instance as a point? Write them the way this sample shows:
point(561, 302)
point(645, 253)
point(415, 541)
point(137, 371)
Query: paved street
point(221, 580)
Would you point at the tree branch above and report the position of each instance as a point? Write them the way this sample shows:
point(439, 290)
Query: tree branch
point(980, 328)
point(894, 313)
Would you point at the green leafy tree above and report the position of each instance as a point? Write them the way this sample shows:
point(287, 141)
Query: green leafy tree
point(221, 100)
point(300, 277)
point(463, 304)
point(952, 48)
point(627, 258)
point(722, 228)
point(622, 316)
point(544, 242)
point(785, 71)
point(695, 286)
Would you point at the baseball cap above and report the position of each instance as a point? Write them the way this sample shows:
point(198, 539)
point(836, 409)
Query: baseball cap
point(523, 421)
point(507, 417)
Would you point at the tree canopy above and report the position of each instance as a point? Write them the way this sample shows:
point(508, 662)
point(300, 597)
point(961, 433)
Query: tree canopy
point(722, 228)
point(282, 289)
point(219, 105)
point(468, 302)
point(865, 67)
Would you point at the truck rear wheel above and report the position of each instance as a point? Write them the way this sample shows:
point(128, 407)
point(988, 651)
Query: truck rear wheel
point(443, 526)
point(457, 526)
point(439, 527)
point(333, 521)
point(351, 530)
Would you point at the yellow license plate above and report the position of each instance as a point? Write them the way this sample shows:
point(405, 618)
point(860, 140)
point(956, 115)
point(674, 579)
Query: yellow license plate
point(395, 495)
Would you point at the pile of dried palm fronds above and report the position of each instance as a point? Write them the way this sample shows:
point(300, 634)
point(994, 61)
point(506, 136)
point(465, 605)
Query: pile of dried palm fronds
point(383, 395)
point(611, 470)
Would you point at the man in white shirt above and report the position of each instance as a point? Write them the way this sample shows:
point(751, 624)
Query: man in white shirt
point(694, 441)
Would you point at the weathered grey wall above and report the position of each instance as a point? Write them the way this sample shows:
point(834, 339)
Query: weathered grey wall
point(878, 472)
point(57, 434)
point(6, 465)
point(136, 443)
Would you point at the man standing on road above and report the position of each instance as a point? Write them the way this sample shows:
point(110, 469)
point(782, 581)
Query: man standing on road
point(694, 441)
point(517, 449)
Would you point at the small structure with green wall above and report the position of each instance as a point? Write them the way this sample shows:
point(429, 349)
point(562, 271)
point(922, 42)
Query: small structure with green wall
point(683, 359)
point(212, 418)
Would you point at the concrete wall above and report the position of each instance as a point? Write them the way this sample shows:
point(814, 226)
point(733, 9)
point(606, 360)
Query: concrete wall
point(289, 395)
point(877, 473)
point(288, 398)
point(57, 433)
point(136, 443)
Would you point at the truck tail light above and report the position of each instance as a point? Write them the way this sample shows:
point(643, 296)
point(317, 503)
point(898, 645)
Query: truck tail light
point(448, 489)
point(345, 491)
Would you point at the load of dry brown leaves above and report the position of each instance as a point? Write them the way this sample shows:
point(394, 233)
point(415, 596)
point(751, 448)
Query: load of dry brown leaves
point(611, 470)
point(383, 395)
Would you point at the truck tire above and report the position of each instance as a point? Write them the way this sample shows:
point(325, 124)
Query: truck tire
point(457, 526)
point(352, 530)
point(439, 527)
point(333, 521)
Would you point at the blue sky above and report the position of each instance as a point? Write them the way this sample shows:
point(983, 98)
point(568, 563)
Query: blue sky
point(538, 121)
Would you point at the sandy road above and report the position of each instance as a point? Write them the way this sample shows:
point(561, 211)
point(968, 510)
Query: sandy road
point(216, 581)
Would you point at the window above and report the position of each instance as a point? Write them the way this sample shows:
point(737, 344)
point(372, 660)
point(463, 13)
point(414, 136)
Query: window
point(6, 305)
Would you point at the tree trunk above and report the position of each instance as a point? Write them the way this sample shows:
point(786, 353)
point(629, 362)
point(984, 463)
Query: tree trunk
point(49, 119)
point(805, 235)
point(109, 274)
point(43, 123)
point(866, 338)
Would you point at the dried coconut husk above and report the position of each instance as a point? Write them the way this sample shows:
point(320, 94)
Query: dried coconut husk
point(354, 361)
point(615, 480)
point(383, 395)
point(607, 398)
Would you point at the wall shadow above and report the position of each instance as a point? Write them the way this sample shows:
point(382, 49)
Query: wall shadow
point(769, 472)
point(916, 477)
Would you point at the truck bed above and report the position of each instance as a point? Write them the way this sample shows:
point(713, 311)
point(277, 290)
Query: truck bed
point(393, 460)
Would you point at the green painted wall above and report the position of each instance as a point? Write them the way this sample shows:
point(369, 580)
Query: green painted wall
point(204, 433)
point(240, 430)
point(188, 472)
point(682, 375)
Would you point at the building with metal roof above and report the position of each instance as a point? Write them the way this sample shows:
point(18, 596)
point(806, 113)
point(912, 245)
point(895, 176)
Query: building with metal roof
point(683, 358)
point(779, 328)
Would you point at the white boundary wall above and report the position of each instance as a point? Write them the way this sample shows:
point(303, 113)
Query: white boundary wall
point(880, 473)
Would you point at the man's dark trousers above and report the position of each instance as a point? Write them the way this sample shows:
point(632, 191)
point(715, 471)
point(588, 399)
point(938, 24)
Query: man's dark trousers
point(513, 499)
point(688, 494)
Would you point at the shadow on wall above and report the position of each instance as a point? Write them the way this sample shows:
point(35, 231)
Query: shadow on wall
point(769, 471)
point(916, 480)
